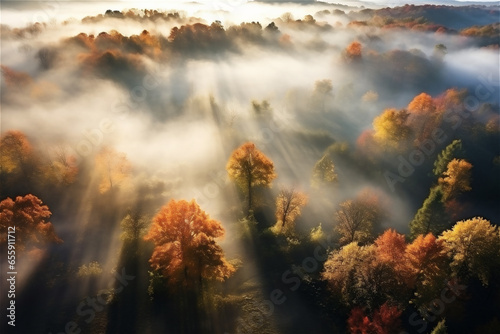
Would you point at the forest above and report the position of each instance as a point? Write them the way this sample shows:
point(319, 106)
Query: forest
point(241, 167)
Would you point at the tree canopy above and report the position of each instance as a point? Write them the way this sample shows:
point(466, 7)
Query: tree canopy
point(30, 218)
point(186, 251)
point(249, 168)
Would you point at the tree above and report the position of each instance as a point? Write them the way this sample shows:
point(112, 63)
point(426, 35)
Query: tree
point(422, 104)
point(16, 154)
point(133, 226)
point(62, 167)
point(186, 252)
point(249, 168)
point(451, 151)
point(288, 205)
point(322, 90)
point(427, 265)
point(440, 328)
point(353, 51)
point(113, 168)
point(432, 216)
point(390, 249)
point(324, 172)
point(356, 218)
point(473, 247)
point(30, 218)
point(358, 278)
point(456, 179)
point(392, 129)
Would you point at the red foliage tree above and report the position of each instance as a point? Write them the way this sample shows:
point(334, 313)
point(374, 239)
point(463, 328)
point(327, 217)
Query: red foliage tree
point(29, 217)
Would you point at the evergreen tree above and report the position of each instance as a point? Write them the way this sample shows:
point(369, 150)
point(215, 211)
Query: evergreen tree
point(451, 151)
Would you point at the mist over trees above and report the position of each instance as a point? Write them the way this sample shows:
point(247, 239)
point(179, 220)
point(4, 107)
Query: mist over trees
point(252, 168)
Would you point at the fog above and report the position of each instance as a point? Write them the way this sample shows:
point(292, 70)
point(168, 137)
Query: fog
point(178, 110)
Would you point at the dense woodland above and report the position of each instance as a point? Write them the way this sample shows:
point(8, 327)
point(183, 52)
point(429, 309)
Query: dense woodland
point(337, 173)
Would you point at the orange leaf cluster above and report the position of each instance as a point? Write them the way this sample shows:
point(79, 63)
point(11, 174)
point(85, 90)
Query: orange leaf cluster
point(185, 248)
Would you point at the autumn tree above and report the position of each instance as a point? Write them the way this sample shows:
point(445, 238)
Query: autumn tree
point(250, 168)
point(16, 155)
point(456, 179)
point(113, 168)
point(186, 252)
point(324, 172)
point(450, 152)
point(427, 264)
point(432, 216)
point(288, 205)
point(385, 320)
point(133, 226)
point(353, 51)
point(357, 218)
point(473, 247)
point(30, 218)
point(357, 277)
point(392, 129)
point(61, 167)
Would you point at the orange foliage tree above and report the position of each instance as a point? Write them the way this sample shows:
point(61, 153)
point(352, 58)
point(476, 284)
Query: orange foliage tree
point(113, 168)
point(249, 168)
point(30, 218)
point(456, 179)
point(186, 252)
point(288, 205)
point(16, 154)
point(353, 51)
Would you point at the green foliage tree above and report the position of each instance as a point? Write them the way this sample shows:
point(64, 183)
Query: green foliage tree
point(357, 218)
point(453, 150)
point(432, 216)
point(30, 218)
point(133, 226)
point(473, 247)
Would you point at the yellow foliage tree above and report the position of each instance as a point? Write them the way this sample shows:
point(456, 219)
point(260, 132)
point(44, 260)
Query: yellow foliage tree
point(288, 205)
point(29, 217)
point(113, 168)
point(473, 247)
point(391, 128)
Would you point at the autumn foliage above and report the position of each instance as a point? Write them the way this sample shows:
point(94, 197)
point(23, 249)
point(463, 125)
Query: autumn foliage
point(353, 51)
point(249, 168)
point(113, 168)
point(30, 218)
point(385, 320)
point(288, 205)
point(186, 252)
